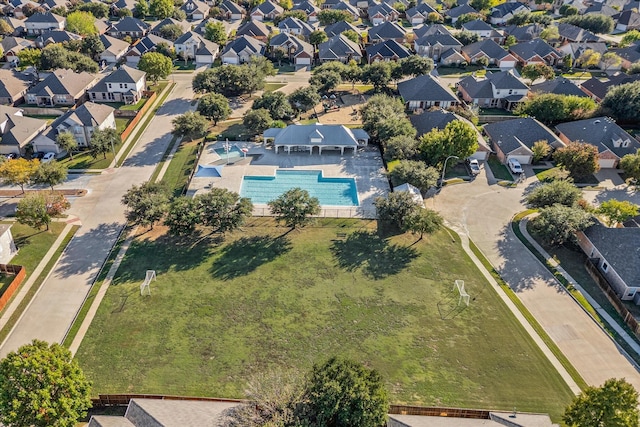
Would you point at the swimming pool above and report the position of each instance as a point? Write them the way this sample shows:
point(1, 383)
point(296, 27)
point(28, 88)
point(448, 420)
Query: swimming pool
point(234, 152)
point(329, 191)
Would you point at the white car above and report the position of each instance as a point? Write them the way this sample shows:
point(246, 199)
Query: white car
point(514, 166)
point(48, 157)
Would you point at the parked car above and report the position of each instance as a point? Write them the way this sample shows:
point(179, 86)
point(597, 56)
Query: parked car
point(48, 157)
point(38, 155)
point(12, 156)
point(514, 166)
point(474, 166)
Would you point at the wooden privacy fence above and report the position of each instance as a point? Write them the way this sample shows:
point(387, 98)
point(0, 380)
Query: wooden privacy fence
point(12, 270)
point(138, 117)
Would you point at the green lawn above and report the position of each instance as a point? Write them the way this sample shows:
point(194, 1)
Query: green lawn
point(547, 175)
point(456, 170)
point(128, 107)
point(180, 65)
point(272, 87)
point(184, 160)
point(499, 170)
point(234, 130)
point(222, 310)
point(48, 118)
point(122, 123)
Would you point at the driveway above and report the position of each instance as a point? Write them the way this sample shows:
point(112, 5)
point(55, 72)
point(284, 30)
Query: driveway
point(484, 211)
point(53, 309)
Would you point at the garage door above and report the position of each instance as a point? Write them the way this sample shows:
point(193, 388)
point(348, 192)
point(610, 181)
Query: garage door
point(607, 163)
point(303, 61)
point(523, 160)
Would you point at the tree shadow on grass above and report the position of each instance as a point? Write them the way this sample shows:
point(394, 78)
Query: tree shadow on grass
point(373, 254)
point(243, 256)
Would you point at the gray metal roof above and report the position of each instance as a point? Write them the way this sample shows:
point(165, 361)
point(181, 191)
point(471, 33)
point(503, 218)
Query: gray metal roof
point(620, 247)
point(425, 88)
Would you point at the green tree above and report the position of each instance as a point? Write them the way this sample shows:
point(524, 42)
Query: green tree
point(623, 102)
point(422, 221)
point(103, 141)
point(416, 65)
point(124, 13)
point(304, 98)
point(257, 121)
point(378, 74)
point(325, 81)
point(346, 393)
point(634, 68)
point(5, 28)
point(98, 10)
point(331, 16)
point(610, 59)
point(617, 211)
point(215, 107)
point(535, 71)
point(183, 216)
point(41, 385)
point(468, 17)
point(67, 142)
point(630, 164)
point(559, 192)
point(558, 224)
point(141, 9)
point(92, 46)
point(276, 103)
point(383, 118)
point(30, 58)
point(467, 37)
point(578, 158)
point(161, 8)
point(286, 4)
point(540, 149)
point(588, 59)
point(298, 14)
point(553, 108)
point(520, 18)
point(352, 35)
point(18, 172)
point(234, 80)
point(223, 210)
point(594, 22)
point(215, 32)
point(317, 37)
point(416, 173)
point(480, 4)
point(402, 147)
point(81, 23)
point(190, 124)
point(179, 15)
point(171, 31)
point(629, 38)
point(550, 33)
point(510, 41)
point(458, 138)
point(483, 61)
point(614, 404)
point(295, 208)
point(568, 10)
point(396, 208)
point(156, 65)
point(146, 204)
point(51, 173)
point(32, 211)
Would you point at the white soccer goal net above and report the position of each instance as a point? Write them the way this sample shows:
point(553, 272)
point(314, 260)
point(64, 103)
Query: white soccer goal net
point(464, 296)
point(146, 285)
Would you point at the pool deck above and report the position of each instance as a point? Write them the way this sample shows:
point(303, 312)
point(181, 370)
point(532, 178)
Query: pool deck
point(365, 167)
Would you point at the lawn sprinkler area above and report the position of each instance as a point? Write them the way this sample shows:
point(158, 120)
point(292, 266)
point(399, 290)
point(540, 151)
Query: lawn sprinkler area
point(224, 308)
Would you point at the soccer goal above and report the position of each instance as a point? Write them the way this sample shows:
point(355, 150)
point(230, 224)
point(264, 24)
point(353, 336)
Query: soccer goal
point(146, 285)
point(464, 296)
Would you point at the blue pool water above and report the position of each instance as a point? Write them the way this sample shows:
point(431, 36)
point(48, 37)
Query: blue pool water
point(329, 191)
point(234, 152)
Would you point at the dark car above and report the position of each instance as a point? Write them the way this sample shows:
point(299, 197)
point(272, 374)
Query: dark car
point(38, 155)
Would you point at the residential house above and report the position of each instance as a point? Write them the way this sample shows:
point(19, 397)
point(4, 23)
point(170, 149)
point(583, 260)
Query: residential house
point(306, 138)
point(575, 50)
point(426, 91)
point(266, 11)
point(420, 14)
point(193, 46)
point(114, 49)
point(614, 253)
point(17, 131)
point(611, 140)
point(241, 49)
point(434, 45)
point(630, 54)
point(16, 24)
point(118, 5)
point(514, 139)
point(524, 33)
point(571, 33)
point(627, 20)
point(500, 14)
point(382, 12)
point(8, 247)
point(491, 50)
point(298, 51)
point(296, 27)
point(256, 29)
point(484, 30)
point(12, 45)
point(415, 193)
point(196, 10)
point(39, 23)
point(125, 85)
point(389, 50)
point(558, 86)
point(13, 86)
point(458, 11)
point(310, 9)
point(600, 9)
point(142, 46)
point(339, 28)
point(347, 7)
point(83, 121)
point(439, 119)
point(61, 88)
point(536, 52)
point(232, 11)
point(14, 8)
point(597, 89)
point(495, 90)
point(452, 57)
point(101, 26)
point(339, 48)
point(330, 4)
point(429, 30)
point(55, 36)
point(185, 26)
point(129, 27)
point(387, 31)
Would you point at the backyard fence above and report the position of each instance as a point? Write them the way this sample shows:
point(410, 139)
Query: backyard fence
point(11, 270)
point(139, 115)
point(343, 212)
point(613, 298)
point(487, 118)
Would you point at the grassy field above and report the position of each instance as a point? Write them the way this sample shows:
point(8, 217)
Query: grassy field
point(272, 87)
point(221, 310)
point(184, 161)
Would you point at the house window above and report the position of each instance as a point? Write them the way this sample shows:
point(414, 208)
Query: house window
point(605, 267)
point(109, 85)
point(510, 91)
point(120, 85)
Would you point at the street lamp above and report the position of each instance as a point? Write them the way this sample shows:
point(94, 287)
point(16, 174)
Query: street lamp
point(445, 168)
